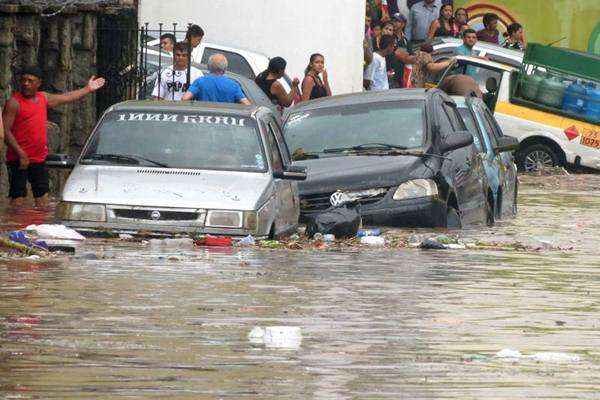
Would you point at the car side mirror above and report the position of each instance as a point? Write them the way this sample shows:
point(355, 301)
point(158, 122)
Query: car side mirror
point(292, 173)
point(60, 161)
point(506, 143)
point(455, 141)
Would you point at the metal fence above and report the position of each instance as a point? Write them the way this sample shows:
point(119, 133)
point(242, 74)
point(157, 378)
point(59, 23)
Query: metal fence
point(131, 61)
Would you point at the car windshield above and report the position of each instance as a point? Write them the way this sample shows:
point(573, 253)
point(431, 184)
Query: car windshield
point(399, 124)
point(177, 140)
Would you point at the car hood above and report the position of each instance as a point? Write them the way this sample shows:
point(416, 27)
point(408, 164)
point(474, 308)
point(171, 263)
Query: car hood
point(362, 172)
point(172, 188)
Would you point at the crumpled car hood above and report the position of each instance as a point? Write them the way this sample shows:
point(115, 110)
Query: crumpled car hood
point(362, 172)
point(173, 188)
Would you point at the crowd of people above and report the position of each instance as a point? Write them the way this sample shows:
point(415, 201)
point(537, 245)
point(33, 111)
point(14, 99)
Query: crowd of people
point(172, 84)
point(398, 47)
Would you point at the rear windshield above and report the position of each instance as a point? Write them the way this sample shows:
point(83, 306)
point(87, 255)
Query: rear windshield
point(178, 140)
point(398, 123)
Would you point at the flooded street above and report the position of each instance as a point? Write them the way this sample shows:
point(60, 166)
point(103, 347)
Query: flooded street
point(123, 320)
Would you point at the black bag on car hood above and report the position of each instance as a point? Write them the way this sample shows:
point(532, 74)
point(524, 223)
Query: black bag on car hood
point(342, 222)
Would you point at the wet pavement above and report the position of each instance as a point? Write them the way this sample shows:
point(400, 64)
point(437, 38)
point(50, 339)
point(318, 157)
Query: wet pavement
point(121, 320)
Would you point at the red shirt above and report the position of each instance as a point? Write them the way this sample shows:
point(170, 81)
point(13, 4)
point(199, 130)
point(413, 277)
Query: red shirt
point(29, 128)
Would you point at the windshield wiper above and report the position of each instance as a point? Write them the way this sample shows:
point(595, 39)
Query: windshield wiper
point(397, 152)
point(132, 159)
point(366, 147)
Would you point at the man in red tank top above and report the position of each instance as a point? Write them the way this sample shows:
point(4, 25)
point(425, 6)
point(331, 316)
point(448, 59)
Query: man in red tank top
point(25, 118)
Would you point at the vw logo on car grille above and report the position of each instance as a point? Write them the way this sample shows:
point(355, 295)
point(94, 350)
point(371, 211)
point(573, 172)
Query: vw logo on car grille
point(339, 198)
point(155, 215)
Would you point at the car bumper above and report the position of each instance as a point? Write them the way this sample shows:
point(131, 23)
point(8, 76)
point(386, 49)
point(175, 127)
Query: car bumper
point(150, 230)
point(425, 212)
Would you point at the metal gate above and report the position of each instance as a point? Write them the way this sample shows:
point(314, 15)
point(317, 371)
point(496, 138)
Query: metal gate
point(130, 59)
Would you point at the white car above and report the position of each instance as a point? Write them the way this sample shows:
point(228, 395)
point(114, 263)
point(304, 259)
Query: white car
point(546, 139)
point(242, 62)
point(446, 48)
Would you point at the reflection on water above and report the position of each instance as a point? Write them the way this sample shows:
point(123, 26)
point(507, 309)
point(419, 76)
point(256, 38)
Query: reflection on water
point(120, 320)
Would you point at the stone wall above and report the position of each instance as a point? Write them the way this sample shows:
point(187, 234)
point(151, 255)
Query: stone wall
point(64, 46)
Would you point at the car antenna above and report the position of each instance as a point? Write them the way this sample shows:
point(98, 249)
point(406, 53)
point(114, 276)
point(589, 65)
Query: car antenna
point(556, 41)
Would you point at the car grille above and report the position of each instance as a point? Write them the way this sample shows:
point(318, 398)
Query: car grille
point(164, 215)
point(320, 201)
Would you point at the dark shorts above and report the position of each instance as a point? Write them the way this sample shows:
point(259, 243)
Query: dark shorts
point(36, 175)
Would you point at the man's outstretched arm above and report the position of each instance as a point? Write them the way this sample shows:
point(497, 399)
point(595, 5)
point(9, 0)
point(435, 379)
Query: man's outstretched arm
point(55, 100)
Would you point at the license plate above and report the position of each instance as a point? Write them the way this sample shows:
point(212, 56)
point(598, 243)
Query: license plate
point(591, 139)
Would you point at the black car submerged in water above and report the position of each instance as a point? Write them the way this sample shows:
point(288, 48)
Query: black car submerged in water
point(403, 155)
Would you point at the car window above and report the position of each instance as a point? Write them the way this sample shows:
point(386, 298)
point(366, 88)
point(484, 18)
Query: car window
point(398, 123)
point(237, 63)
point(488, 126)
point(276, 158)
point(285, 153)
point(481, 74)
point(478, 72)
point(471, 124)
point(446, 127)
point(455, 118)
point(177, 140)
point(497, 130)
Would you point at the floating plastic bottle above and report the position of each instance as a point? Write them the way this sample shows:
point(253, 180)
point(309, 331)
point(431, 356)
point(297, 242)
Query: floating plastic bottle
point(575, 98)
point(368, 232)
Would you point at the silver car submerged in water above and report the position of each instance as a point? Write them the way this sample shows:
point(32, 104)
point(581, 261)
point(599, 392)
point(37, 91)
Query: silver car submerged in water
point(165, 167)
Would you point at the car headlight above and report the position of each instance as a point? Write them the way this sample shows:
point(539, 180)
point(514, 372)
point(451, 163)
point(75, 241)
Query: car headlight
point(415, 189)
point(224, 219)
point(81, 212)
point(250, 220)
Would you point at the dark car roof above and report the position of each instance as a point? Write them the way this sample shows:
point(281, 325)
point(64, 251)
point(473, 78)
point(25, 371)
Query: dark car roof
point(364, 98)
point(186, 106)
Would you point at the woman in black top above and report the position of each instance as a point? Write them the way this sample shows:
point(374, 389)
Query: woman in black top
point(313, 87)
point(444, 26)
point(268, 81)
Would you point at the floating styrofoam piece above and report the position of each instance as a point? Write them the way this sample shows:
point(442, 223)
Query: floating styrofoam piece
point(46, 231)
point(509, 353)
point(279, 337)
point(545, 357)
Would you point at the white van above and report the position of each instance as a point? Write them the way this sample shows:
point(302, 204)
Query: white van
point(546, 138)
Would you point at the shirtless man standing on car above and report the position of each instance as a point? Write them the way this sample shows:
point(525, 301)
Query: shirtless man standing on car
point(25, 119)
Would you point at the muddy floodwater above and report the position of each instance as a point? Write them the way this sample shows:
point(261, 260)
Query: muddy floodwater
point(124, 320)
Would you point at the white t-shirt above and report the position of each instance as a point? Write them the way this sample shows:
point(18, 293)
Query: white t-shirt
point(173, 83)
point(197, 54)
point(376, 72)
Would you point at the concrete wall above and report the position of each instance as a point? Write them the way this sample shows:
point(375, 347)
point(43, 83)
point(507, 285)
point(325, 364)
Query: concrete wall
point(288, 28)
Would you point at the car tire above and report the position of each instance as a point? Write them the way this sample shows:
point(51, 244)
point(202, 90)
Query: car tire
point(453, 220)
point(531, 157)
